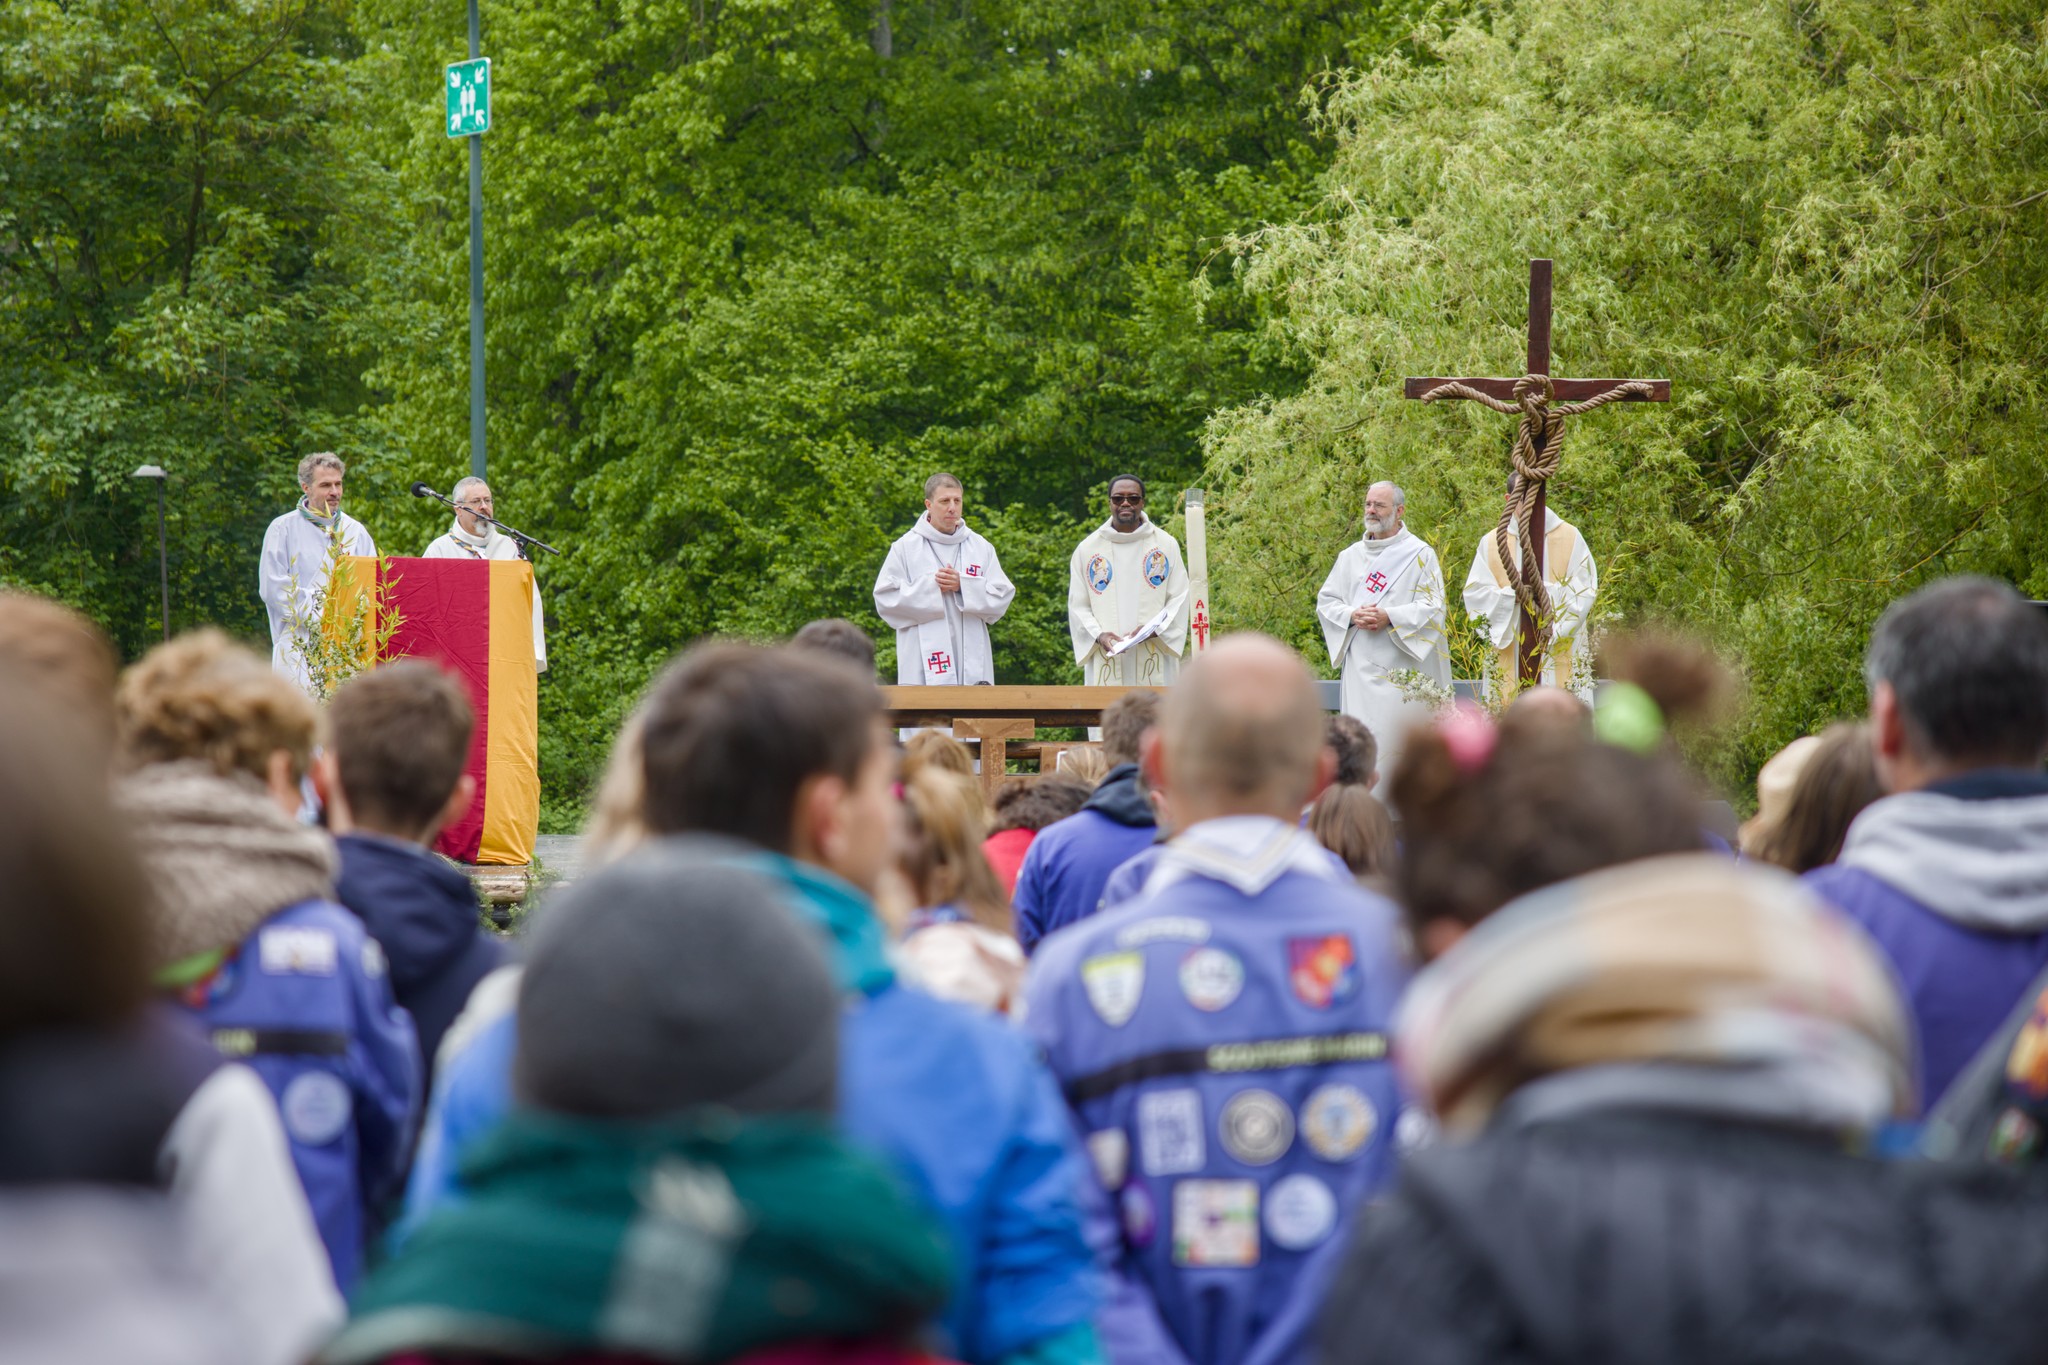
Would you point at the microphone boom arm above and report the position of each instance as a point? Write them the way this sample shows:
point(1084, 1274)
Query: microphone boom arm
point(420, 490)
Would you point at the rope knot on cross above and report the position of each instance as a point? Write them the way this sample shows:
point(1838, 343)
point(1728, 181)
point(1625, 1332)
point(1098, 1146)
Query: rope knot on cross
point(1538, 453)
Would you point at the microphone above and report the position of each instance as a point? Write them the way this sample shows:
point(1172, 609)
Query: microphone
point(420, 490)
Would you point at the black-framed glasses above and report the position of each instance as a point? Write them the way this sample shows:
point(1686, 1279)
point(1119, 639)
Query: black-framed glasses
point(1127, 497)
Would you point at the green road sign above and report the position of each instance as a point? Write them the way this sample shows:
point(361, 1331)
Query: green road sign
point(469, 97)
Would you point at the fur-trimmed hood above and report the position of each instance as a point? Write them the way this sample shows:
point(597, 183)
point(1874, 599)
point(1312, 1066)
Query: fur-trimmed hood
point(221, 856)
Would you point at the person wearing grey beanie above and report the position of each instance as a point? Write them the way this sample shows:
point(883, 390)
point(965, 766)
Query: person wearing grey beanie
point(672, 980)
point(669, 1185)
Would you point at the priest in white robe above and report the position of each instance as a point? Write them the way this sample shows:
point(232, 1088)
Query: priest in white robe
point(942, 588)
point(469, 538)
point(1383, 611)
point(1127, 579)
point(1573, 584)
point(291, 574)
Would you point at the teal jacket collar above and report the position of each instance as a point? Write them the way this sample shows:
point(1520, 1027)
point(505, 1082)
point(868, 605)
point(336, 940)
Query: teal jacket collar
point(859, 952)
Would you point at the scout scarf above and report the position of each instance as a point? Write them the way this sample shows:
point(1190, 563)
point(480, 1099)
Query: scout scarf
point(477, 547)
point(1249, 852)
point(1688, 983)
point(700, 1238)
point(938, 654)
point(326, 523)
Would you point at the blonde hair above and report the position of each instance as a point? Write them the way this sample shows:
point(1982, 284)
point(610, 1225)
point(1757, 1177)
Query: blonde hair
point(930, 749)
point(61, 653)
point(1084, 764)
point(944, 862)
point(618, 816)
point(202, 696)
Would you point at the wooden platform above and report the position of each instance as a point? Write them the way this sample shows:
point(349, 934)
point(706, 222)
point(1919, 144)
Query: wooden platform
point(999, 716)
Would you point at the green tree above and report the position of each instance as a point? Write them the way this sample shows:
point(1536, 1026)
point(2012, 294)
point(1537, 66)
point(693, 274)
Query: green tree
point(1827, 223)
point(755, 270)
point(170, 181)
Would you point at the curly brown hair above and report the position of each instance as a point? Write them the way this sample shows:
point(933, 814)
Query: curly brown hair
point(202, 696)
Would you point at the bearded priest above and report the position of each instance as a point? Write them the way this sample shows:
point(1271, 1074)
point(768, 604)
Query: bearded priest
point(1382, 610)
point(469, 538)
point(942, 588)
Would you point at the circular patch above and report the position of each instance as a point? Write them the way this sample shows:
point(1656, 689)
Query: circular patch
point(1141, 1218)
point(1256, 1127)
point(1156, 567)
point(1211, 978)
point(1300, 1212)
point(1337, 1121)
point(1111, 1150)
point(1098, 574)
point(315, 1108)
point(1413, 1130)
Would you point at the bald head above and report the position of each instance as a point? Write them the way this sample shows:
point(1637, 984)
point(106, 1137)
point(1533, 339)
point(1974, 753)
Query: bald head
point(1242, 733)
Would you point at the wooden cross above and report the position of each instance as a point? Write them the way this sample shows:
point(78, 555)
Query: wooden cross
point(1562, 391)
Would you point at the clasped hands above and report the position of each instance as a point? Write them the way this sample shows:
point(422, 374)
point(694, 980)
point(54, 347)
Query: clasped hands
point(1369, 618)
point(948, 578)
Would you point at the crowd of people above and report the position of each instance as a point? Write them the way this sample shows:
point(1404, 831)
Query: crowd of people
point(1234, 1050)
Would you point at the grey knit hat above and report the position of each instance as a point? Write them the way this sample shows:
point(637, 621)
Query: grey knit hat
point(675, 979)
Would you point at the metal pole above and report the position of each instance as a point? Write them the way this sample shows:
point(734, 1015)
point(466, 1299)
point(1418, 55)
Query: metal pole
point(163, 557)
point(476, 278)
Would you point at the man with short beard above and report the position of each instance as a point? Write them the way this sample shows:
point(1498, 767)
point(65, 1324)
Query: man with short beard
point(1127, 575)
point(1382, 613)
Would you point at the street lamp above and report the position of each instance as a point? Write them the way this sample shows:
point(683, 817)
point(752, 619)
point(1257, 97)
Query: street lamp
point(163, 553)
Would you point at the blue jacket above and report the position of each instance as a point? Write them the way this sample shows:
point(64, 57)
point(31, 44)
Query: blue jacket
point(957, 1101)
point(1952, 883)
point(306, 1001)
point(423, 911)
point(1069, 862)
point(1222, 1041)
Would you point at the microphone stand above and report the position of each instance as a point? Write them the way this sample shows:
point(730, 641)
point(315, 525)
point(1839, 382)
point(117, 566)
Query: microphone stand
point(420, 490)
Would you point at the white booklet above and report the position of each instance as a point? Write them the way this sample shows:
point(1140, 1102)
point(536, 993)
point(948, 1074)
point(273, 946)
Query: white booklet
point(1144, 632)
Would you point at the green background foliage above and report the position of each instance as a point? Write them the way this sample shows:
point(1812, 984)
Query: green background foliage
point(1824, 222)
point(755, 268)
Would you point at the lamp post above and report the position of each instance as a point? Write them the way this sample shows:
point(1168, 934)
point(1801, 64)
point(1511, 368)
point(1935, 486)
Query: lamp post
point(163, 553)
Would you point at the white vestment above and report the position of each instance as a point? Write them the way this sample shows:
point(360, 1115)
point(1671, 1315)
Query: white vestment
point(292, 571)
point(1400, 575)
point(942, 637)
point(1117, 582)
point(1573, 582)
point(493, 544)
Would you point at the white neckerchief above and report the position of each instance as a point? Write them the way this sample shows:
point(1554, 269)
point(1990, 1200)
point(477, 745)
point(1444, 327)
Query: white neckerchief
point(1145, 530)
point(1249, 852)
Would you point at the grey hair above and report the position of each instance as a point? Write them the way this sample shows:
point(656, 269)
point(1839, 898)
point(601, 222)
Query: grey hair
point(323, 459)
point(1967, 659)
point(1400, 498)
point(942, 480)
point(464, 484)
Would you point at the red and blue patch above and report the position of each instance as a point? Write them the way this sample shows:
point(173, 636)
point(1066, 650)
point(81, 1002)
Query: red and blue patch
point(1323, 971)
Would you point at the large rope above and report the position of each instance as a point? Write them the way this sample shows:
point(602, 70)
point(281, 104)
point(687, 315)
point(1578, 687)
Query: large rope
point(1539, 448)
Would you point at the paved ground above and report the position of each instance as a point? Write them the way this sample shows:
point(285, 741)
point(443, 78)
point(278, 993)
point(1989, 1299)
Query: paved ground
point(561, 855)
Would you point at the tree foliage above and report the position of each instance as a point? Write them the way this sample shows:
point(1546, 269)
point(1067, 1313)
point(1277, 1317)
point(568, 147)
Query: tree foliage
point(1827, 223)
point(756, 269)
point(169, 181)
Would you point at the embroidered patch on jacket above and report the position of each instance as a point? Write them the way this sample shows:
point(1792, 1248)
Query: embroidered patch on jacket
point(1111, 1152)
point(315, 1107)
point(1115, 982)
point(1323, 971)
point(1211, 978)
point(1300, 1213)
point(1216, 1223)
point(1337, 1121)
point(1164, 929)
point(1256, 1127)
point(297, 950)
point(1170, 1132)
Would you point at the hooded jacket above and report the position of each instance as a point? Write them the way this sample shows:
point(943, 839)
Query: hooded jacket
point(1069, 862)
point(1952, 883)
point(284, 980)
point(956, 1102)
point(423, 912)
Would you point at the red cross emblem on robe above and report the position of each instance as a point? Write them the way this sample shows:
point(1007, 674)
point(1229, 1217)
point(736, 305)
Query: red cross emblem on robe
point(939, 663)
point(1376, 582)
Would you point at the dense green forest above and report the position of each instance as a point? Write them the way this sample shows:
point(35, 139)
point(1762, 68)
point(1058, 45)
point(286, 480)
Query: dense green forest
point(754, 269)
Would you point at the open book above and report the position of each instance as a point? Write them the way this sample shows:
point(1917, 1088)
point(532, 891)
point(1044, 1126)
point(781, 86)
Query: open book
point(1143, 633)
